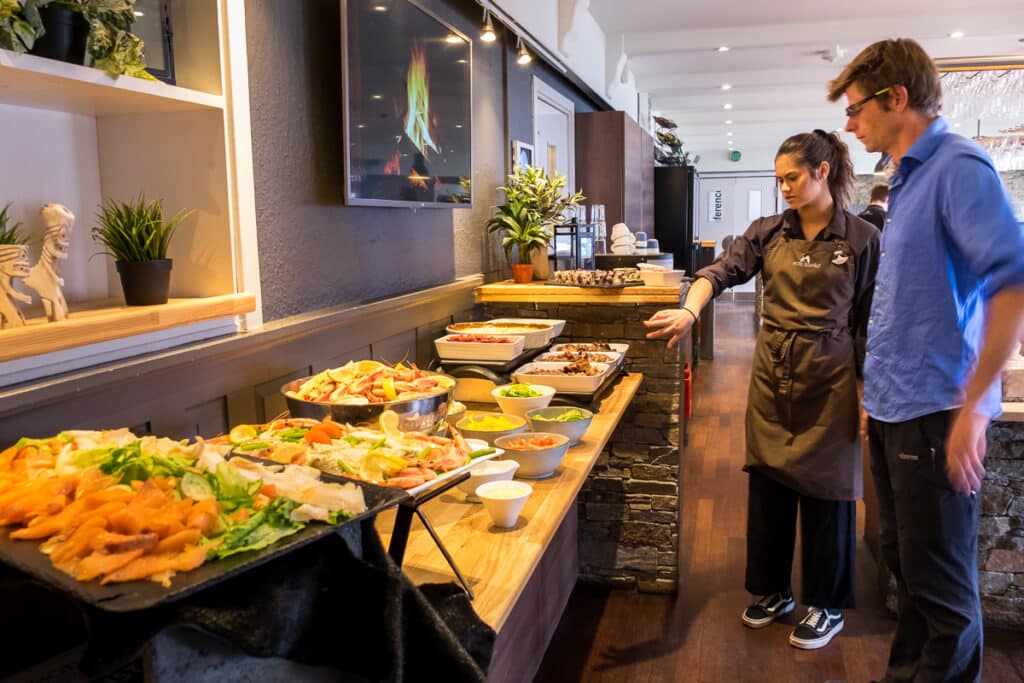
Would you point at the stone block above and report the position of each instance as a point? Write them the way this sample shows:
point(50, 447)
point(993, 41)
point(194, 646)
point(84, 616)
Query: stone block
point(617, 582)
point(1010, 543)
point(639, 499)
point(645, 534)
point(1000, 560)
point(652, 472)
point(609, 484)
point(604, 512)
point(596, 553)
point(659, 585)
point(604, 497)
point(640, 559)
point(1016, 507)
point(994, 583)
point(665, 502)
point(666, 518)
point(996, 501)
point(667, 560)
point(593, 532)
point(1003, 610)
point(599, 330)
point(653, 487)
point(669, 457)
point(656, 420)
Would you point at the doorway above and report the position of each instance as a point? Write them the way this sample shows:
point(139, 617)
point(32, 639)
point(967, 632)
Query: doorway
point(554, 134)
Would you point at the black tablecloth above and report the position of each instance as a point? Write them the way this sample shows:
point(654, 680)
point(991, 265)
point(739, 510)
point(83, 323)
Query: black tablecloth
point(340, 602)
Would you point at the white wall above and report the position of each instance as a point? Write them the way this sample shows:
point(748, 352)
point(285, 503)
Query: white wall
point(760, 157)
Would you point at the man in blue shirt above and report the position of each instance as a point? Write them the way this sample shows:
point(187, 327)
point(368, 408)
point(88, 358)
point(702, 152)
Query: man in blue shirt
point(947, 312)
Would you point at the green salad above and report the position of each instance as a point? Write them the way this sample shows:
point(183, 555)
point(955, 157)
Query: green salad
point(520, 391)
point(569, 415)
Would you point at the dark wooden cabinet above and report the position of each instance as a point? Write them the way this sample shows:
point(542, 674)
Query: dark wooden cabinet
point(615, 167)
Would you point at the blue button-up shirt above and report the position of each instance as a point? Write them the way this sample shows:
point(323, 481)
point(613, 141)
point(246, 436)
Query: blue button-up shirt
point(951, 241)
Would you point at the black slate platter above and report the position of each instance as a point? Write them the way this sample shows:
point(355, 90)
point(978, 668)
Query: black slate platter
point(137, 595)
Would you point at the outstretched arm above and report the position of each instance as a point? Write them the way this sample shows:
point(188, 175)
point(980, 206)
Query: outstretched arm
point(965, 445)
point(674, 323)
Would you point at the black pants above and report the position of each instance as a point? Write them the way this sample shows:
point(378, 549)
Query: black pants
point(929, 538)
point(828, 529)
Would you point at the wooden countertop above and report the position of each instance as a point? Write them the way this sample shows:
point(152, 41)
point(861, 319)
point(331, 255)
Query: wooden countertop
point(1012, 412)
point(498, 563)
point(538, 292)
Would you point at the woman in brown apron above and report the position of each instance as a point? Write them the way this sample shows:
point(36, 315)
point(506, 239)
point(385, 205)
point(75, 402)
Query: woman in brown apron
point(818, 264)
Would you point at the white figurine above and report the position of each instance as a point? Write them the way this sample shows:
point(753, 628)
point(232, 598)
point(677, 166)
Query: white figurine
point(45, 277)
point(13, 264)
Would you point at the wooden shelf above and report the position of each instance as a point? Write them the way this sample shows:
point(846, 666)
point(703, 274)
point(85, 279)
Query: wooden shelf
point(509, 292)
point(38, 82)
point(87, 325)
point(498, 563)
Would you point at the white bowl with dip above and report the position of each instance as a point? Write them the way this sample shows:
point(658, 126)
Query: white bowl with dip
point(503, 500)
point(486, 472)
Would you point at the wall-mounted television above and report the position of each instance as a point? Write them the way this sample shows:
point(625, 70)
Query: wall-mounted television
point(407, 106)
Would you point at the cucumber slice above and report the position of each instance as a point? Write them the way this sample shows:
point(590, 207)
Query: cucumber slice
point(196, 487)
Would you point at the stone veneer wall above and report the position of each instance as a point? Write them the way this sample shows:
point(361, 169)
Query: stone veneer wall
point(1001, 527)
point(629, 506)
point(1014, 181)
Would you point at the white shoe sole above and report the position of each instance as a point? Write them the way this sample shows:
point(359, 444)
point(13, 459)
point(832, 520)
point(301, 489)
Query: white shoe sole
point(761, 623)
point(815, 643)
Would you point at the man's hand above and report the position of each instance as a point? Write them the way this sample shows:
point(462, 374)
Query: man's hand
point(965, 450)
point(673, 323)
point(863, 423)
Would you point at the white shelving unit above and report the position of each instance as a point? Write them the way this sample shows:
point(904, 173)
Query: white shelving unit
point(75, 135)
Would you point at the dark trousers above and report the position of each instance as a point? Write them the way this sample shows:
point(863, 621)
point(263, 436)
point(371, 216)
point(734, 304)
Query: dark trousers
point(828, 530)
point(929, 539)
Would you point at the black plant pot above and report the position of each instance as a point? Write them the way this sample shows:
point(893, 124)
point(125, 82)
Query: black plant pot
point(145, 283)
point(65, 37)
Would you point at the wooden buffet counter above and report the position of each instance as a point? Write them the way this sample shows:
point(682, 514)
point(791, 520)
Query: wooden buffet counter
point(521, 576)
point(540, 293)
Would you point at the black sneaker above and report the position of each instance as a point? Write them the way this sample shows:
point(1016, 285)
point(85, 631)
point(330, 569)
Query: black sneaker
point(816, 629)
point(767, 609)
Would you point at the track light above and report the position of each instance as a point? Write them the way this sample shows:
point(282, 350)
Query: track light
point(523, 57)
point(487, 33)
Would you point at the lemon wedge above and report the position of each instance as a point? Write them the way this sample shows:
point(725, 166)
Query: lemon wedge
point(365, 367)
point(388, 385)
point(377, 464)
point(242, 433)
point(389, 421)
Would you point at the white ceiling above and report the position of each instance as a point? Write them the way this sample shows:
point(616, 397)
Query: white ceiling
point(775, 64)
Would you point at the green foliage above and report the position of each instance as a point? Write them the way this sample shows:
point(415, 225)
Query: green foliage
point(20, 24)
point(136, 231)
point(9, 233)
point(520, 228)
point(543, 195)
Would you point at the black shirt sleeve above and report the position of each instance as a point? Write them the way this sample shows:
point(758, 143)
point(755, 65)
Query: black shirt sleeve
point(864, 287)
point(743, 259)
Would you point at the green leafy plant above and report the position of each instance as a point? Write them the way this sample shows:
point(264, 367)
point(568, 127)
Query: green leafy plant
point(20, 25)
point(9, 233)
point(541, 193)
point(136, 231)
point(111, 45)
point(521, 229)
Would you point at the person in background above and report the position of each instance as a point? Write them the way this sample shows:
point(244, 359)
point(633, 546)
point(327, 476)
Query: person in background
point(818, 264)
point(947, 313)
point(877, 206)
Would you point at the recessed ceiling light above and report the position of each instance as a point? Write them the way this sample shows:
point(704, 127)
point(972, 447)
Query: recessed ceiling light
point(380, 8)
point(729, 133)
point(728, 122)
point(726, 86)
point(723, 48)
point(956, 34)
point(376, 97)
point(726, 106)
point(956, 125)
point(138, 13)
point(361, 125)
point(452, 39)
point(462, 61)
point(458, 125)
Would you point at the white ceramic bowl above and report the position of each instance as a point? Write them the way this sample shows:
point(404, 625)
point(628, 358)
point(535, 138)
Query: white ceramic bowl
point(514, 405)
point(662, 278)
point(456, 411)
point(503, 500)
point(541, 420)
point(536, 463)
point(486, 472)
point(468, 426)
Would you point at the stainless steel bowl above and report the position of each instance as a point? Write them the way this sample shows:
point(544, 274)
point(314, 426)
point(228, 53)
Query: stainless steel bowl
point(424, 414)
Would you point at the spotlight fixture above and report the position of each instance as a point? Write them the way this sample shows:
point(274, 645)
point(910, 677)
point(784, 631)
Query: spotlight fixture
point(728, 122)
point(487, 33)
point(452, 39)
point(523, 56)
point(727, 106)
point(380, 8)
point(729, 133)
point(723, 48)
point(726, 86)
point(956, 34)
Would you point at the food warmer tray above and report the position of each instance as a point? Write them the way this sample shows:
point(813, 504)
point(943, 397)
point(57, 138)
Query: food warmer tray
point(498, 367)
point(137, 595)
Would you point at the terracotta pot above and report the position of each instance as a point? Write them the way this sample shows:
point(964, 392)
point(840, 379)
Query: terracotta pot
point(522, 272)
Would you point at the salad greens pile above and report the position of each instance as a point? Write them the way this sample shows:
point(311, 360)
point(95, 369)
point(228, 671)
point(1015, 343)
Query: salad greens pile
point(520, 391)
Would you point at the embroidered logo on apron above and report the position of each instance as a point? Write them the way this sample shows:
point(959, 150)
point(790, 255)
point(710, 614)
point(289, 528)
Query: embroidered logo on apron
point(839, 258)
point(805, 262)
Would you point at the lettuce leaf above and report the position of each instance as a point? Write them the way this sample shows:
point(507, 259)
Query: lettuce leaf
point(264, 528)
point(130, 464)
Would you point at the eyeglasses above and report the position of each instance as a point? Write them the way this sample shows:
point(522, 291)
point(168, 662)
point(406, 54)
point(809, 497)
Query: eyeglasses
point(855, 108)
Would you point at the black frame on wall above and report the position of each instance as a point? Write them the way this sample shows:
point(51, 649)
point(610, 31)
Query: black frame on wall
point(430, 173)
point(151, 31)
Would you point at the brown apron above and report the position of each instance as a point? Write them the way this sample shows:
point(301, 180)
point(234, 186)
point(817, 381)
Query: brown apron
point(802, 408)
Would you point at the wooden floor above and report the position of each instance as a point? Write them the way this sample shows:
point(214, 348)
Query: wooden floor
point(697, 635)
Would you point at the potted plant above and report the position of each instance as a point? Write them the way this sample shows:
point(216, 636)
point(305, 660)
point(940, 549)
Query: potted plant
point(523, 231)
point(137, 236)
point(545, 198)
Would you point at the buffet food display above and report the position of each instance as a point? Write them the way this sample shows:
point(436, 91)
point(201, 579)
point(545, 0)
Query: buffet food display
point(368, 381)
point(485, 347)
point(619, 277)
point(112, 507)
point(535, 334)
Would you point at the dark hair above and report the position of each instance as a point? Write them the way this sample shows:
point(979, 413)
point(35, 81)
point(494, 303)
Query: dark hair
point(812, 149)
point(879, 192)
point(899, 61)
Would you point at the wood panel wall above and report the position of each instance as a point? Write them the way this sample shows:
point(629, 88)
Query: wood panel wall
point(205, 388)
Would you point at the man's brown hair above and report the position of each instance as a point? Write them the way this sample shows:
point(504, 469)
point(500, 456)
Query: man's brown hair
point(898, 61)
point(879, 192)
